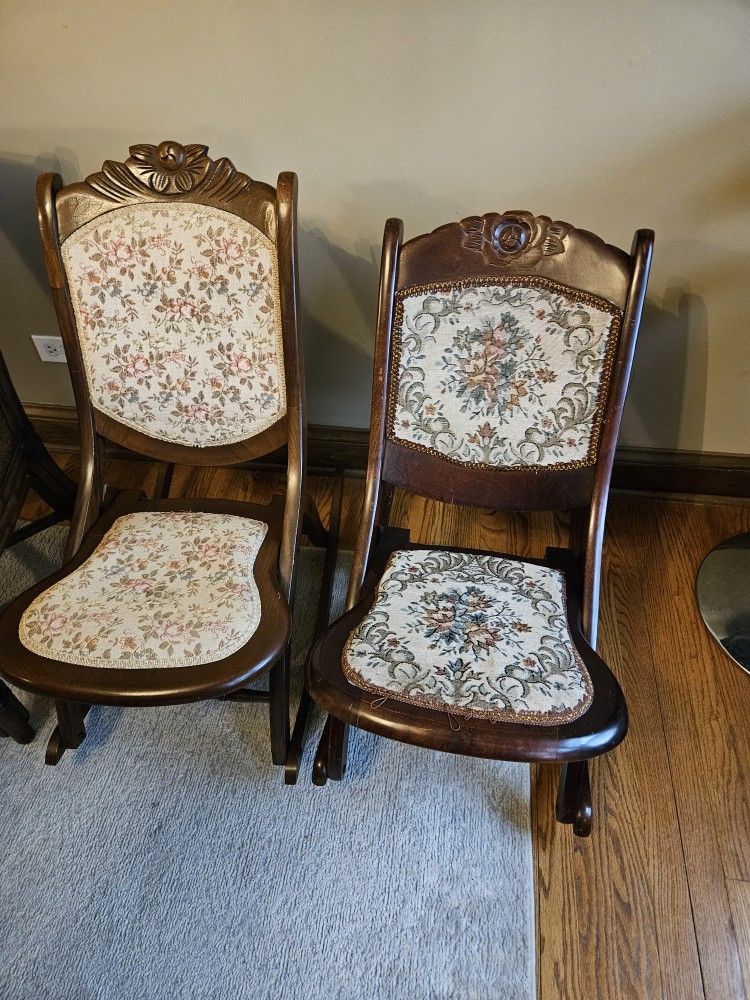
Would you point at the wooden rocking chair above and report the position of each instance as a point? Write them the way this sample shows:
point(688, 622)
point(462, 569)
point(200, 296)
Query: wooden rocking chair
point(174, 278)
point(503, 351)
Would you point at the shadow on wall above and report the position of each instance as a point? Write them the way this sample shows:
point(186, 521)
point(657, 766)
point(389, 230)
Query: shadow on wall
point(18, 177)
point(340, 290)
point(690, 182)
point(731, 192)
point(667, 396)
point(24, 292)
point(339, 294)
point(669, 390)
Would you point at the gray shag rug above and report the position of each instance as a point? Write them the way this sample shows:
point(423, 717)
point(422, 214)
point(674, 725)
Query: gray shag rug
point(166, 859)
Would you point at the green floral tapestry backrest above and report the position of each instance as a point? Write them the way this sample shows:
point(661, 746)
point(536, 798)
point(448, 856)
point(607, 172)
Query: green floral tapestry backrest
point(501, 373)
point(177, 310)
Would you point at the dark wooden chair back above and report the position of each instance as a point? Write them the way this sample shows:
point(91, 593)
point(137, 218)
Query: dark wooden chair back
point(175, 284)
point(503, 369)
point(503, 351)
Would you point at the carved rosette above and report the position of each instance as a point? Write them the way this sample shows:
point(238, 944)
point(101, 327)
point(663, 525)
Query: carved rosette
point(168, 170)
point(514, 239)
point(169, 167)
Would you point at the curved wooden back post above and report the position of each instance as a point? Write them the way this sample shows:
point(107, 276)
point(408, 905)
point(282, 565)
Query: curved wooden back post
point(286, 201)
point(641, 254)
point(90, 484)
point(392, 237)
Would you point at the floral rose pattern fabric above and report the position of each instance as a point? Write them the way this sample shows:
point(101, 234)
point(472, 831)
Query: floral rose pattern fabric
point(162, 589)
point(177, 310)
point(502, 374)
point(473, 635)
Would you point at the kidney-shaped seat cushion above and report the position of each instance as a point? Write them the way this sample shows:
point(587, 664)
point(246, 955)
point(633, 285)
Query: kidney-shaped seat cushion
point(161, 589)
point(469, 652)
point(471, 634)
point(165, 601)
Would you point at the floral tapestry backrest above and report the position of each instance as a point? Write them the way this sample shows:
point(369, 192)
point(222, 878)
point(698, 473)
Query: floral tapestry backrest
point(506, 372)
point(178, 317)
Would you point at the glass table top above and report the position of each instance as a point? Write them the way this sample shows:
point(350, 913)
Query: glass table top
point(723, 592)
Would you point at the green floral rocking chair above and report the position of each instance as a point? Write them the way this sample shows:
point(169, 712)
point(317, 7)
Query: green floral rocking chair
point(503, 351)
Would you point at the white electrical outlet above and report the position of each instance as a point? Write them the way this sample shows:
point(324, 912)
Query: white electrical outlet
point(50, 348)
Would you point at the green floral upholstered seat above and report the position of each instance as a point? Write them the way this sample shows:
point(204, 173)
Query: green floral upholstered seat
point(471, 634)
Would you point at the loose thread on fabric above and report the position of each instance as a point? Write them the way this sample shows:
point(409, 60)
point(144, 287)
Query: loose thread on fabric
point(453, 722)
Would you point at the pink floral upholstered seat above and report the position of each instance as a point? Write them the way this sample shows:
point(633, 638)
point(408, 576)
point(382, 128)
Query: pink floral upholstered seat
point(473, 634)
point(162, 589)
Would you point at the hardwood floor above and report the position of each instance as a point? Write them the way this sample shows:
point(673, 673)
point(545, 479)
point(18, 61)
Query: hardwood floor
point(657, 902)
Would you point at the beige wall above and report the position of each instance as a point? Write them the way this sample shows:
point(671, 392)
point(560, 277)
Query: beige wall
point(609, 115)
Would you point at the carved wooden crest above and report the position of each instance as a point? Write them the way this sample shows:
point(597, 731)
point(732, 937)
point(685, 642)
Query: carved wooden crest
point(168, 169)
point(514, 239)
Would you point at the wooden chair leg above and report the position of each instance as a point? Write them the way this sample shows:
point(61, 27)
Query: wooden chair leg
point(14, 717)
point(278, 707)
point(69, 732)
point(163, 483)
point(297, 739)
point(312, 525)
point(330, 757)
point(48, 480)
point(338, 744)
point(320, 764)
point(297, 742)
point(574, 797)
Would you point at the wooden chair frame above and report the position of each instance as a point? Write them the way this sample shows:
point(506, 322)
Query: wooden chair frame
point(26, 465)
point(29, 466)
point(570, 257)
point(150, 176)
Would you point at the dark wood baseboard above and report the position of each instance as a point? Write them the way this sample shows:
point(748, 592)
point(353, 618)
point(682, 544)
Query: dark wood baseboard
point(328, 447)
point(645, 469)
point(698, 472)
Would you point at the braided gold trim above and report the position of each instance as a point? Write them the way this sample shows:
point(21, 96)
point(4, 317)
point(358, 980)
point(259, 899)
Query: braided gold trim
point(574, 295)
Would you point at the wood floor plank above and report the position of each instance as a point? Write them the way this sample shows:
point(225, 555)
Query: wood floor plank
point(351, 510)
point(689, 699)
point(558, 932)
point(739, 901)
point(727, 746)
point(614, 911)
point(640, 834)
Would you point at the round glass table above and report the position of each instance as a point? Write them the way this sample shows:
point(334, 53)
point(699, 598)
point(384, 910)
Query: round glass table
point(723, 591)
